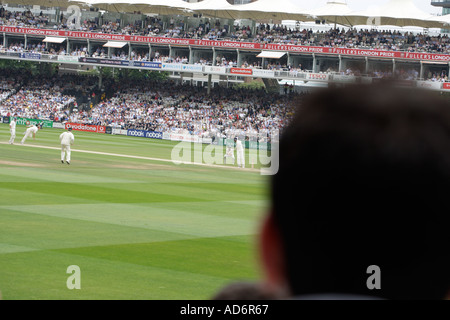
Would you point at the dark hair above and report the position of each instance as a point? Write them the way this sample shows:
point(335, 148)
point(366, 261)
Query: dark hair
point(245, 291)
point(371, 173)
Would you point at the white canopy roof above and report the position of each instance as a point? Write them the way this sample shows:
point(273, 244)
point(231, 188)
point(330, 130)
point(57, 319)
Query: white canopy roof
point(443, 20)
point(397, 13)
point(265, 10)
point(161, 7)
point(212, 8)
point(337, 12)
point(54, 39)
point(112, 5)
point(115, 44)
point(271, 54)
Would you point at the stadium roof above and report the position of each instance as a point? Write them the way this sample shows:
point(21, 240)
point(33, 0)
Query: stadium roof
point(212, 8)
point(444, 20)
point(161, 7)
point(115, 44)
point(267, 10)
point(54, 39)
point(399, 13)
point(338, 12)
point(271, 54)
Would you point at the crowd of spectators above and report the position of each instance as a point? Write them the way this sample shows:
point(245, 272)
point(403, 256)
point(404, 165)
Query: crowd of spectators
point(156, 106)
point(263, 33)
point(147, 105)
point(37, 103)
point(187, 109)
point(409, 74)
point(37, 97)
point(222, 61)
point(22, 19)
point(279, 34)
point(7, 88)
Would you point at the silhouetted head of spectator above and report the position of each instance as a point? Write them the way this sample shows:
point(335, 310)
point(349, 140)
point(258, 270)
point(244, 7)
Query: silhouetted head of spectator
point(363, 182)
point(245, 291)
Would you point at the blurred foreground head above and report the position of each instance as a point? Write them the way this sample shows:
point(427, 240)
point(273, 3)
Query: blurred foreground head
point(364, 180)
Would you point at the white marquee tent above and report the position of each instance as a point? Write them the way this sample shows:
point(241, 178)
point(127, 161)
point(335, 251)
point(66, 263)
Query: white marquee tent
point(337, 12)
point(212, 8)
point(161, 7)
point(443, 20)
point(265, 10)
point(394, 13)
point(113, 5)
point(399, 13)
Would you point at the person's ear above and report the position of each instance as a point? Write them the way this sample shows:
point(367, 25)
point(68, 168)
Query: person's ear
point(271, 255)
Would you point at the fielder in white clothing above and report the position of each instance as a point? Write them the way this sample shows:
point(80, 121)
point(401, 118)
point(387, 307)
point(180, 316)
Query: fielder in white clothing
point(31, 131)
point(66, 139)
point(240, 153)
point(12, 129)
point(229, 154)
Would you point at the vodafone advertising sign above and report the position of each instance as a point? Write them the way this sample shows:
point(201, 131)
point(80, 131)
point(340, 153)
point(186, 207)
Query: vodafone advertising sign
point(243, 71)
point(85, 127)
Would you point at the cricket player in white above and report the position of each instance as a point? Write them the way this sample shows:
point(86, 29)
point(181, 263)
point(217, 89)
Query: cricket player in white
point(229, 154)
point(66, 138)
point(12, 129)
point(32, 129)
point(240, 153)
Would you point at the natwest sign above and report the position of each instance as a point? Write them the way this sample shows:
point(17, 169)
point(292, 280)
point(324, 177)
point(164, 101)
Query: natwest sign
point(85, 127)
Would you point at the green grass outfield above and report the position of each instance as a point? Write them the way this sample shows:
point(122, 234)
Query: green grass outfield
point(138, 227)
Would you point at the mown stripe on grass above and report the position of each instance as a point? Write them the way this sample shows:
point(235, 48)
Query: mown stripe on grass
point(11, 197)
point(98, 192)
point(42, 275)
point(11, 248)
point(20, 230)
point(247, 209)
point(59, 174)
point(163, 159)
point(147, 217)
point(224, 257)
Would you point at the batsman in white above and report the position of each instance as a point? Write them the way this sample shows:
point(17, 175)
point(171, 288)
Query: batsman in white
point(229, 154)
point(12, 129)
point(31, 130)
point(67, 139)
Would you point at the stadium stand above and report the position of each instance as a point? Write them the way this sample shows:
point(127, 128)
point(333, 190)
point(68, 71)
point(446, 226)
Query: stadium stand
point(147, 105)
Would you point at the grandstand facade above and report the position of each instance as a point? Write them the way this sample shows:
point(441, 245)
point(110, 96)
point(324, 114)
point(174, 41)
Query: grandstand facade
point(441, 3)
point(445, 4)
point(228, 56)
point(188, 57)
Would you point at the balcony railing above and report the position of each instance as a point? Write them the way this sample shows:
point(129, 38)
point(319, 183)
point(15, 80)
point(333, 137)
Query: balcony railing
point(441, 3)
